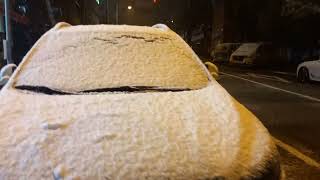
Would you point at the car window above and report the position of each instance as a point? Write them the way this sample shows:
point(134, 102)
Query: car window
point(77, 60)
point(221, 48)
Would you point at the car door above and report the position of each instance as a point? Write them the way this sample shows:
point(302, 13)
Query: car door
point(314, 69)
point(317, 69)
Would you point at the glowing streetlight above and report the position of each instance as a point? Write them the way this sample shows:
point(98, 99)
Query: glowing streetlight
point(129, 7)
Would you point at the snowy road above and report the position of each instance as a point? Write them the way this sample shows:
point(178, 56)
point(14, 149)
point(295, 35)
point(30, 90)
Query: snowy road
point(291, 112)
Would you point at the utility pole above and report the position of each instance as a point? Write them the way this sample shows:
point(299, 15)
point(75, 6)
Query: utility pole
point(8, 42)
point(117, 12)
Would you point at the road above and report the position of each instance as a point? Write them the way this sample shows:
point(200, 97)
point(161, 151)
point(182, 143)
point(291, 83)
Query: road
point(290, 111)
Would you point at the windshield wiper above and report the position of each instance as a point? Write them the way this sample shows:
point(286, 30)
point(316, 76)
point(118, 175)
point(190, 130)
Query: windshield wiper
point(136, 89)
point(49, 91)
point(43, 89)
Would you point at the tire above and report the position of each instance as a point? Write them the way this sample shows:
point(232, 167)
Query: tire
point(303, 75)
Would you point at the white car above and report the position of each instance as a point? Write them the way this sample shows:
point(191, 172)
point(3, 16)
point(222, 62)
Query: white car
point(309, 70)
point(125, 102)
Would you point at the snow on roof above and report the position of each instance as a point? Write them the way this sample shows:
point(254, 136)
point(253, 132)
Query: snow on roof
point(76, 58)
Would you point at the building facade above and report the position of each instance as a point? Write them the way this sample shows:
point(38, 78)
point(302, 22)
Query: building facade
point(245, 21)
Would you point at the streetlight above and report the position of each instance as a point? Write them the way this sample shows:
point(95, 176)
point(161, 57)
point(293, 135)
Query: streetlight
point(129, 7)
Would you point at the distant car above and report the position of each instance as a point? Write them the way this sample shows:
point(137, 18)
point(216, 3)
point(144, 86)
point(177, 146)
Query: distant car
point(125, 102)
point(253, 54)
point(309, 70)
point(223, 51)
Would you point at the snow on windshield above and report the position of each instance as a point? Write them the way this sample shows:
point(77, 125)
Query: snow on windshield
point(247, 49)
point(72, 59)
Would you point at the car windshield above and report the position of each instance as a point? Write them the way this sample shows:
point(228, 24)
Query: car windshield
point(221, 48)
point(74, 59)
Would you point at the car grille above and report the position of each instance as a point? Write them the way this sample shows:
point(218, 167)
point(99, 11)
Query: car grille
point(222, 57)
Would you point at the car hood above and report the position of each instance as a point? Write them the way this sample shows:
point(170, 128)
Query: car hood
point(308, 63)
point(305, 63)
point(177, 135)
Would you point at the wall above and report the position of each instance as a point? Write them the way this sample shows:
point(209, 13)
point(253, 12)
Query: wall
point(245, 20)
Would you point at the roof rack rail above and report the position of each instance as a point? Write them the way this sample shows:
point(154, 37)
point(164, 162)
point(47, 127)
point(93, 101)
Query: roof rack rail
point(161, 27)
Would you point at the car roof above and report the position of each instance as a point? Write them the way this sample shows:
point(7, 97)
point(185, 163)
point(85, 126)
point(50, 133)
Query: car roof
point(113, 28)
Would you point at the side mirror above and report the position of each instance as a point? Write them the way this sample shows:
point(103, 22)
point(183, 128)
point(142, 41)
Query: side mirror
point(4, 80)
point(213, 69)
point(6, 72)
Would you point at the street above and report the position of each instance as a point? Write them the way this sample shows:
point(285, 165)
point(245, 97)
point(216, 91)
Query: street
point(289, 110)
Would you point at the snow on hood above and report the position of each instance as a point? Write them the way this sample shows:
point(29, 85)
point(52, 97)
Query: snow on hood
point(196, 134)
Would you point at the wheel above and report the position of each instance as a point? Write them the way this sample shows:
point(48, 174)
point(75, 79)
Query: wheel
point(303, 75)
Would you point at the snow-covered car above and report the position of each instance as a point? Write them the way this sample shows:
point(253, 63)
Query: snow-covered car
point(252, 54)
point(125, 102)
point(309, 70)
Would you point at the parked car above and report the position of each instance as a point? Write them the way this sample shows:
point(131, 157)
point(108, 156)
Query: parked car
point(222, 52)
point(253, 54)
point(125, 102)
point(309, 70)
